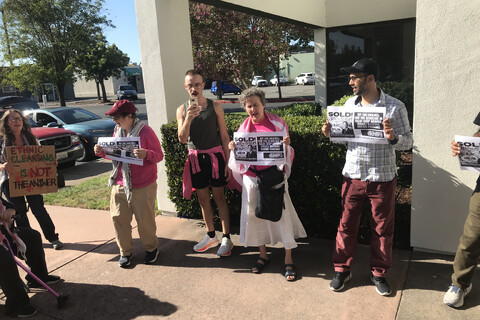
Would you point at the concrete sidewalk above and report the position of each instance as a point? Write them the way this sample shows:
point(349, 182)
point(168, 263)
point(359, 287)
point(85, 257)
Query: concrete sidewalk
point(183, 284)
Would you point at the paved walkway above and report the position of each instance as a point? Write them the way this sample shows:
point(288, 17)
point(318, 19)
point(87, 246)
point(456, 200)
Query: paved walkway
point(183, 284)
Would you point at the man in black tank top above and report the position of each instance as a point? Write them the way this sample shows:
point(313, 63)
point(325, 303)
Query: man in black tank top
point(201, 124)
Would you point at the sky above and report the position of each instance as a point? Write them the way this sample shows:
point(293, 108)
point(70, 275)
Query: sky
point(125, 35)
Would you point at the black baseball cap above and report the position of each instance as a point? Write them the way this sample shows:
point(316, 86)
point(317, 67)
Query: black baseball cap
point(365, 65)
point(477, 120)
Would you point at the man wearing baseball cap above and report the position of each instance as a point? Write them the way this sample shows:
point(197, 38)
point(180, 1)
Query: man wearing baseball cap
point(370, 175)
point(134, 187)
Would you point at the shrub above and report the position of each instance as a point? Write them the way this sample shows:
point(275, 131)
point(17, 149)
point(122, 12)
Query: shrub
point(296, 109)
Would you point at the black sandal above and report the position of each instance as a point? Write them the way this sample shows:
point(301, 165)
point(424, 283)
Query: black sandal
point(259, 266)
point(292, 272)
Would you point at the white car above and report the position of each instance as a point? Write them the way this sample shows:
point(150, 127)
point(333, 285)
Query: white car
point(305, 78)
point(283, 81)
point(259, 81)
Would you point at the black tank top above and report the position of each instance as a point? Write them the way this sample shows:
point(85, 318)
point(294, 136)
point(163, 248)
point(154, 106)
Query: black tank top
point(204, 132)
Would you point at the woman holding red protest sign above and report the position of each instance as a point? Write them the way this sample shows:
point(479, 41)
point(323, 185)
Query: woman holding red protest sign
point(15, 131)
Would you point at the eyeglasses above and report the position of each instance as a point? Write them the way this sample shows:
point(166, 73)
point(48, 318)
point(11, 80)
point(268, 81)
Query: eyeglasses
point(118, 116)
point(196, 85)
point(18, 119)
point(353, 78)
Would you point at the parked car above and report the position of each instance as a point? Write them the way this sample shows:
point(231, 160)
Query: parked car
point(68, 147)
point(127, 91)
point(283, 81)
point(305, 78)
point(259, 81)
point(87, 125)
point(225, 87)
point(19, 103)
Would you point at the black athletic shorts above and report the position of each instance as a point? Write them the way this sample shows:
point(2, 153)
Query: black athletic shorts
point(204, 178)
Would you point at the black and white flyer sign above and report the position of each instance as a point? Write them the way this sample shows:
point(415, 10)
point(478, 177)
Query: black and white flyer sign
point(357, 124)
point(259, 148)
point(469, 156)
point(121, 149)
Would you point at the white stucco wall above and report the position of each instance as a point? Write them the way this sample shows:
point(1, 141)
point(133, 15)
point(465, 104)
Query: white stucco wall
point(320, 37)
point(333, 13)
point(166, 53)
point(308, 11)
point(446, 89)
point(84, 88)
point(348, 12)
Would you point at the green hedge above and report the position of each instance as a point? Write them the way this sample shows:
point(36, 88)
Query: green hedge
point(316, 173)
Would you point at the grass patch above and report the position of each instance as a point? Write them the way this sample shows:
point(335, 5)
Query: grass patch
point(91, 194)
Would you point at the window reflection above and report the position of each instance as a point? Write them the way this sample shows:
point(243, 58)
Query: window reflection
point(391, 44)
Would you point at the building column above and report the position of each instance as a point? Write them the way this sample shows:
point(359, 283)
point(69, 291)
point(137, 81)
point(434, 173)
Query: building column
point(320, 43)
point(166, 53)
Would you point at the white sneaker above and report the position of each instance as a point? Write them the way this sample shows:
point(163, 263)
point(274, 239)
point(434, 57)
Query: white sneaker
point(206, 244)
point(455, 295)
point(57, 244)
point(226, 248)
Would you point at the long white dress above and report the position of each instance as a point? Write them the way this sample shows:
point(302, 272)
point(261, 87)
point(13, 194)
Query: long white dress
point(256, 232)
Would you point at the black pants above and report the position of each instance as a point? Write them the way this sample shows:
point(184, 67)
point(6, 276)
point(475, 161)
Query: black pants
point(38, 209)
point(10, 280)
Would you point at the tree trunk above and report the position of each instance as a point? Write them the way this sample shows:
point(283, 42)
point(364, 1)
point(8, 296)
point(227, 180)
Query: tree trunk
point(277, 72)
point(104, 93)
point(98, 89)
point(61, 93)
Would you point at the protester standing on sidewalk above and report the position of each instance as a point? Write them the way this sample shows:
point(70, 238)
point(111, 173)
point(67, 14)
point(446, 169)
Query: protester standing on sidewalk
point(15, 131)
point(253, 230)
point(134, 187)
point(201, 124)
point(370, 175)
point(468, 250)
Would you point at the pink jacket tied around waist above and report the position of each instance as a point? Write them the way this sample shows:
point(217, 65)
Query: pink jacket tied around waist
point(192, 160)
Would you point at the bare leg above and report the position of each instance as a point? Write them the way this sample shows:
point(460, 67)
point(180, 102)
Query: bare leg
point(207, 209)
point(219, 196)
point(289, 260)
point(263, 254)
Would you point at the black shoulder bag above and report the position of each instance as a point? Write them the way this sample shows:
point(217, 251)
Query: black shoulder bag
point(271, 189)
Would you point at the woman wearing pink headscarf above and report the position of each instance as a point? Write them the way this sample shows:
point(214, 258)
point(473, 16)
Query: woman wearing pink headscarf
point(255, 231)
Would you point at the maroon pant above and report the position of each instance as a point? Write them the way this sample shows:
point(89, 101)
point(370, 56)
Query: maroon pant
point(382, 198)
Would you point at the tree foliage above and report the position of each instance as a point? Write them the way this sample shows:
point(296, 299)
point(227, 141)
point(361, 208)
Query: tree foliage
point(231, 45)
point(102, 62)
point(50, 34)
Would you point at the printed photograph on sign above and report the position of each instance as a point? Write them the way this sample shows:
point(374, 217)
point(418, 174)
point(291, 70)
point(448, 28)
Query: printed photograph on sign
point(121, 149)
point(342, 124)
point(469, 157)
point(245, 148)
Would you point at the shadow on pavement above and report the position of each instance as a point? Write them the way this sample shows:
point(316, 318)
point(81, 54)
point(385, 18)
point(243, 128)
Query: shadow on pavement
point(90, 301)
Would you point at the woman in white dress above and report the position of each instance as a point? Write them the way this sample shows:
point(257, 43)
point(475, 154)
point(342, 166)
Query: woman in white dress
point(255, 231)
